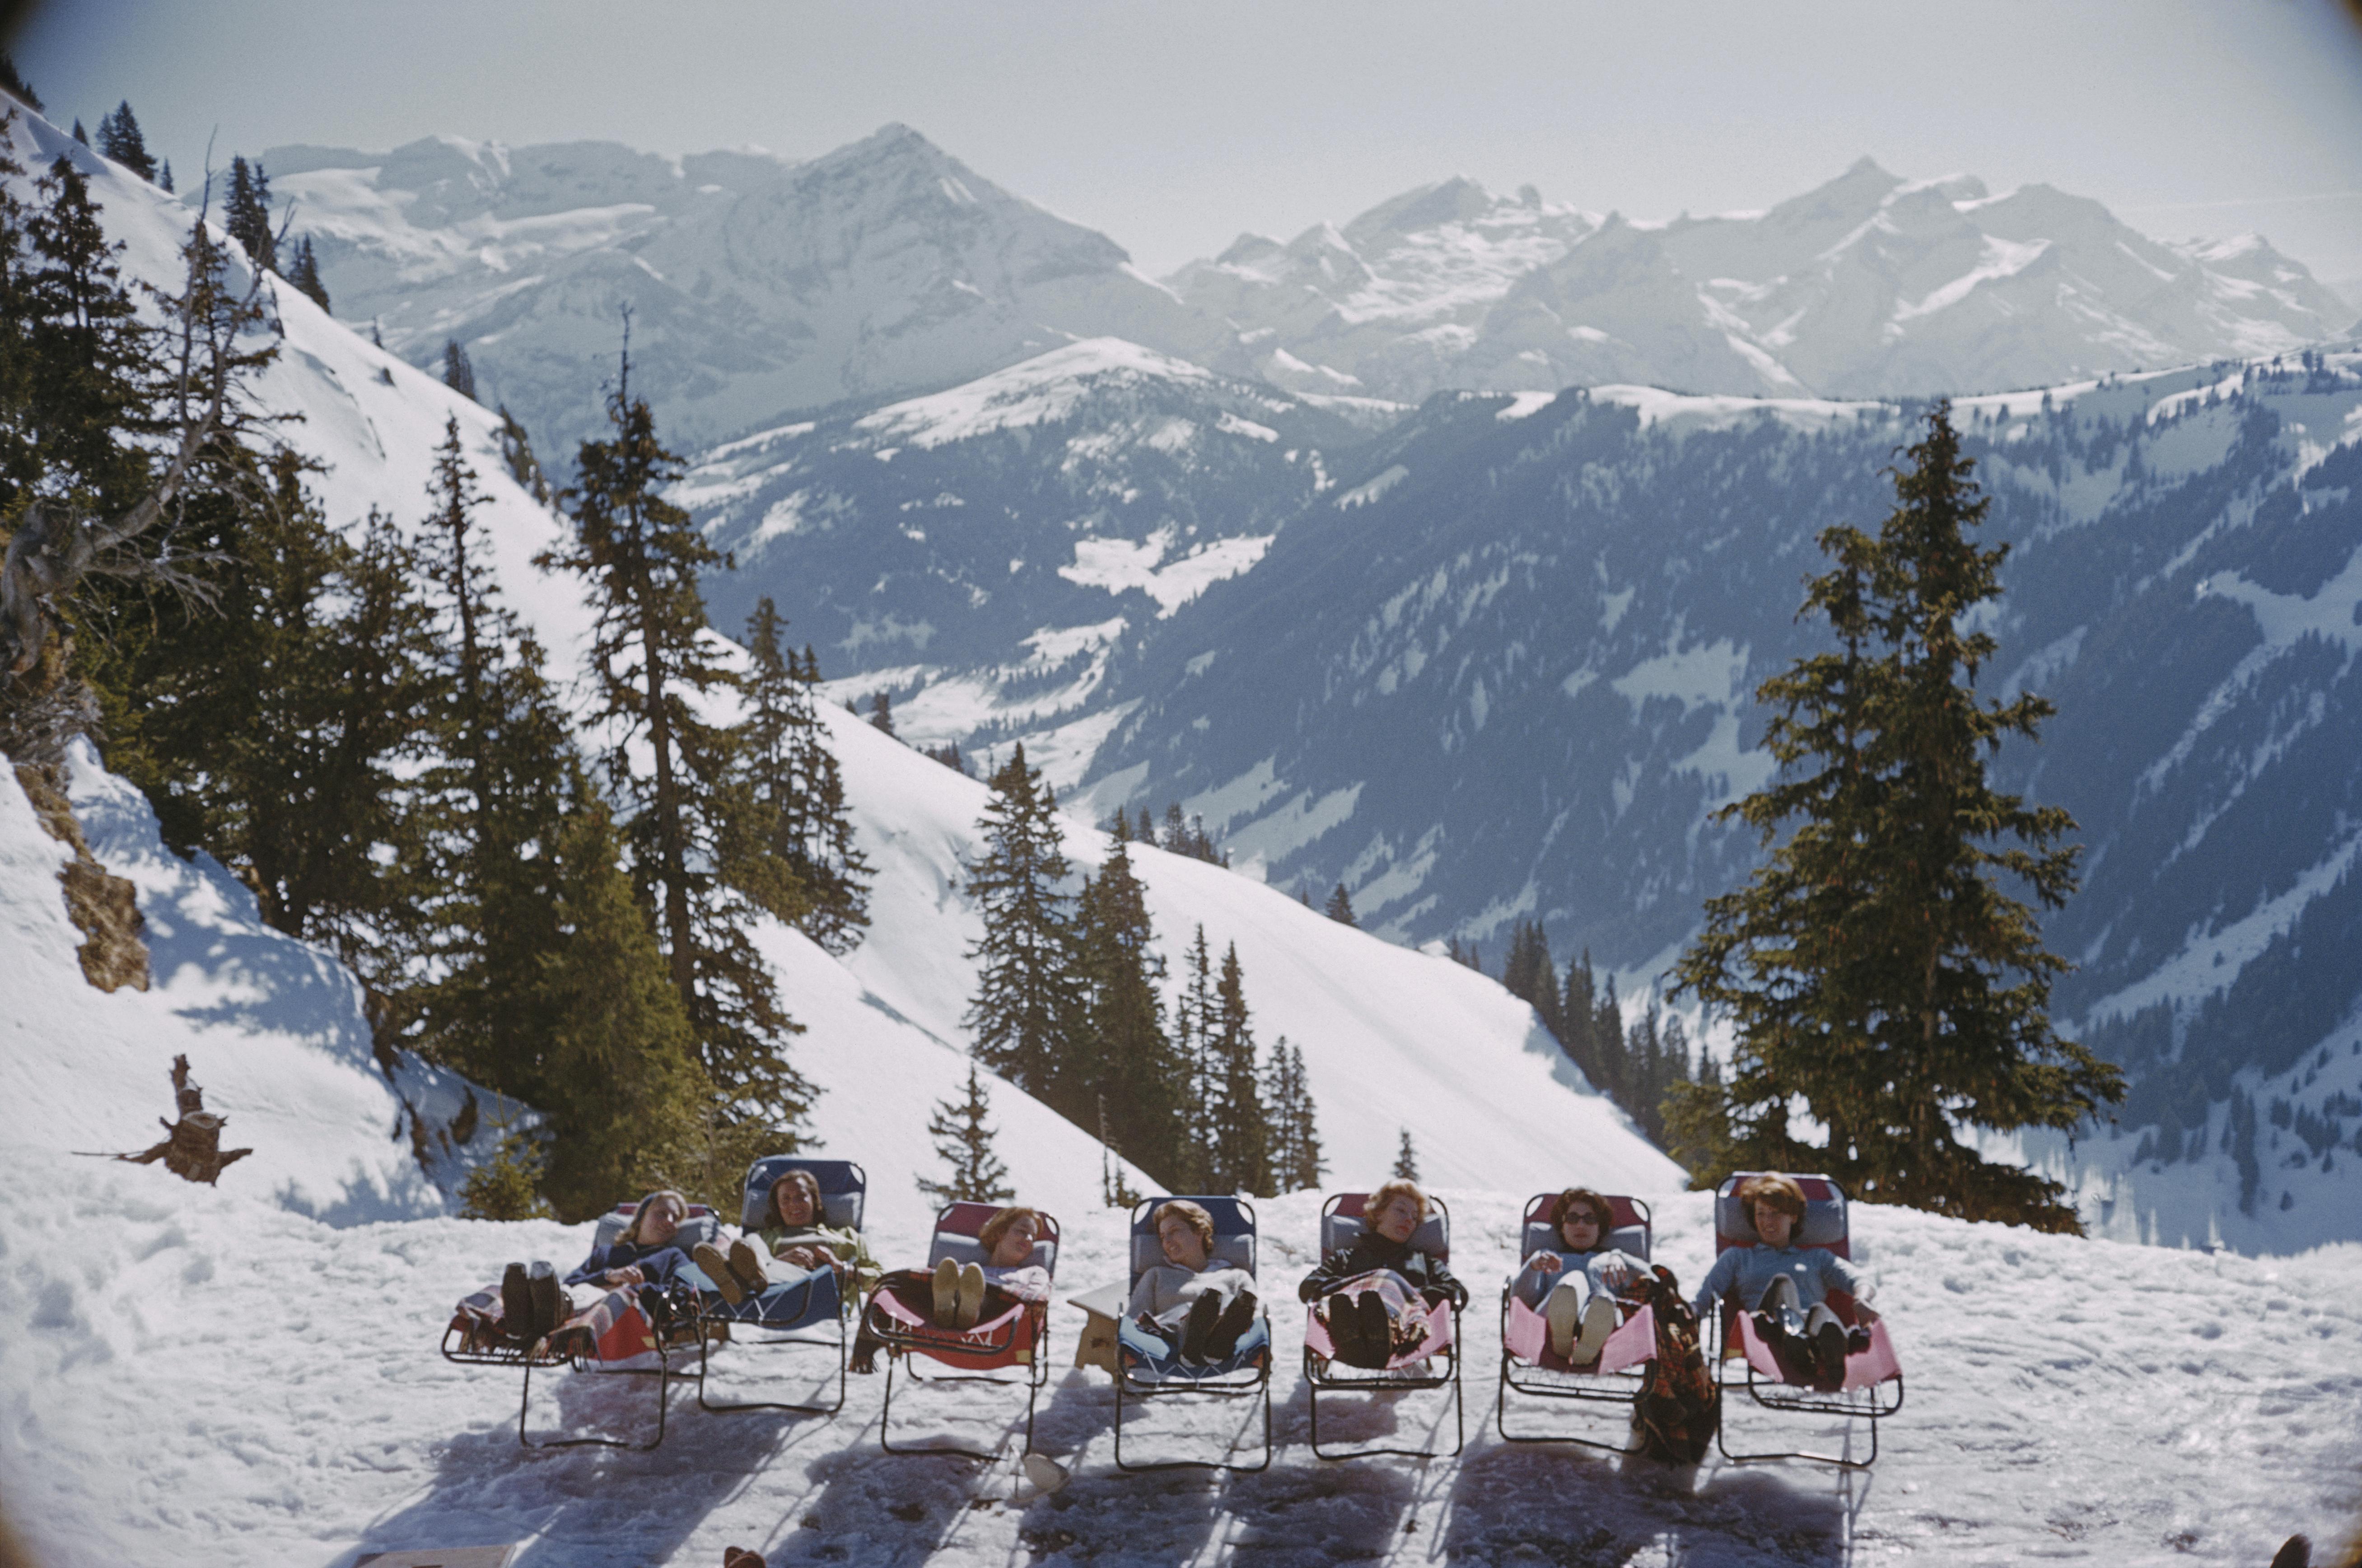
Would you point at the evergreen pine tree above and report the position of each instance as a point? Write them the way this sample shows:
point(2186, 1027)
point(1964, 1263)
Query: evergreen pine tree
point(1340, 907)
point(963, 1141)
point(1406, 1159)
point(305, 274)
point(619, 1083)
point(18, 87)
point(790, 841)
point(1194, 1025)
point(1873, 966)
point(1242, 1120)
point(1531, 975)
point(1295, 1162)
point(1122, 1051)
point(246, 215)
point(84, 387)
point(1577, 1004)
point(507, 1186)
point(81, 135)
point(120, 139)
point(881, 713)
point(164, 176)
point(1028, 997)
point(516, 450)
point(458, 374)
point(652, 668)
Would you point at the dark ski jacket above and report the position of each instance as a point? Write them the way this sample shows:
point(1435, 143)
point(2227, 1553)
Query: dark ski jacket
point(1371, 1251)
point(658, 1263)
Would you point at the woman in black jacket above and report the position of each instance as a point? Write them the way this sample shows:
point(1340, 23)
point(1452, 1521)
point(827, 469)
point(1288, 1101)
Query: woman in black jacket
point(1375, 1296)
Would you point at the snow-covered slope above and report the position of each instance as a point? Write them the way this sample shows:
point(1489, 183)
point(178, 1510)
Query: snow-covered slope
point(195, 1378)
point(1392, 1038)
point(273, 1029)
point(756, 285)
point(1464, 1066)
point(1869, 285)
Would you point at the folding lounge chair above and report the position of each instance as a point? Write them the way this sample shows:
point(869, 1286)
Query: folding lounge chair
point(632, 1346)
point(812, 1313)
point(1528, 1366)
point(1864, 1395)
point(1341, 1222)
point(1148, 1368)
point(1017, 1338)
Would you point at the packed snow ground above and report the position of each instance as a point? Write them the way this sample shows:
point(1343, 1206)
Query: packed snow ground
point(205, 1377)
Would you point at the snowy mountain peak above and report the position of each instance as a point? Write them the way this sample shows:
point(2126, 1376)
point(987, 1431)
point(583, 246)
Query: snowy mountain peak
point(1456, 200)
point(1039, 390)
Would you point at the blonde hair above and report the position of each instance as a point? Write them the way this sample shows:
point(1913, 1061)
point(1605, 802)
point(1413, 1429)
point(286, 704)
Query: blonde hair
point(1781, 1192)
point(999, 1224)
point(1182, 1209)
point(632, 1232)
point(1387, 1192)
point(805, 1179)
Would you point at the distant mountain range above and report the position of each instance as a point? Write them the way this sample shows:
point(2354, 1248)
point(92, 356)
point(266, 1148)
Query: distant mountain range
point(762, 288)
point(1492, 658)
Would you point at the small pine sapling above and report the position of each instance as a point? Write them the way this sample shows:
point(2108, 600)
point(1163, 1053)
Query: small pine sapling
point(963, 1141)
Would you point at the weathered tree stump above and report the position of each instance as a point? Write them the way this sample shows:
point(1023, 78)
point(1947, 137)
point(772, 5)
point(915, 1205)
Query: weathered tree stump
point(192, 1150)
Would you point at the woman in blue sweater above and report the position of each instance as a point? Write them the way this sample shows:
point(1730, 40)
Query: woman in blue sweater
point(634, 1269)
point(1787, 1287)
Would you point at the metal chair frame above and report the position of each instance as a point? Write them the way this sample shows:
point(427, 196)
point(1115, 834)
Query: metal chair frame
point(1320, 1373)
point(1032, 1325)
point(1622, 1389)
point(1787, 1398)
point(517, 1355)
point(810, 1336)
point(1226, 1385)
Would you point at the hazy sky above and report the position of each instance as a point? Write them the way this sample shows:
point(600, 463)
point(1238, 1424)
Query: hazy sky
point(1173, 126)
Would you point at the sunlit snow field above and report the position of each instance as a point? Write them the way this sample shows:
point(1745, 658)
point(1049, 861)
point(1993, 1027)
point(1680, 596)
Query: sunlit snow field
point(201, 1378)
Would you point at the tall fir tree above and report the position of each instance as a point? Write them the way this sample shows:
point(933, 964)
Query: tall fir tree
point(620, 1080)
point(516, 449)
point(1874, 967)
point(963, 1143)
point(1243, 1134)
point(246, 213)
point(1340, 907)
point(1406, 1158)
point(1297, 1163)
point(1194, 1025)
point(1122, 1051)
point(459, 370)
point(305, 274)
point(120, 139)
point(1028, 999)
point(1531, 975)
point(652, 668)
point(789, 843)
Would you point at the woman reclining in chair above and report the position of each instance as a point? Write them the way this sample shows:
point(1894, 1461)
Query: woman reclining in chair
point(796, 1242)
point(956, 1295)
point(1787, 1287)
point(1197, 1307)
point(1376, 1294)
point(635, 1270)
point(1593, 1275)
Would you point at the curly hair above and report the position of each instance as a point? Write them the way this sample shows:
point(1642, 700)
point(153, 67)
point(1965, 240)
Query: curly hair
point(1576, 1197)
point(1780, 1191)
point(1182, 1209)
point(997, 1225)
point(1387, 1192)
